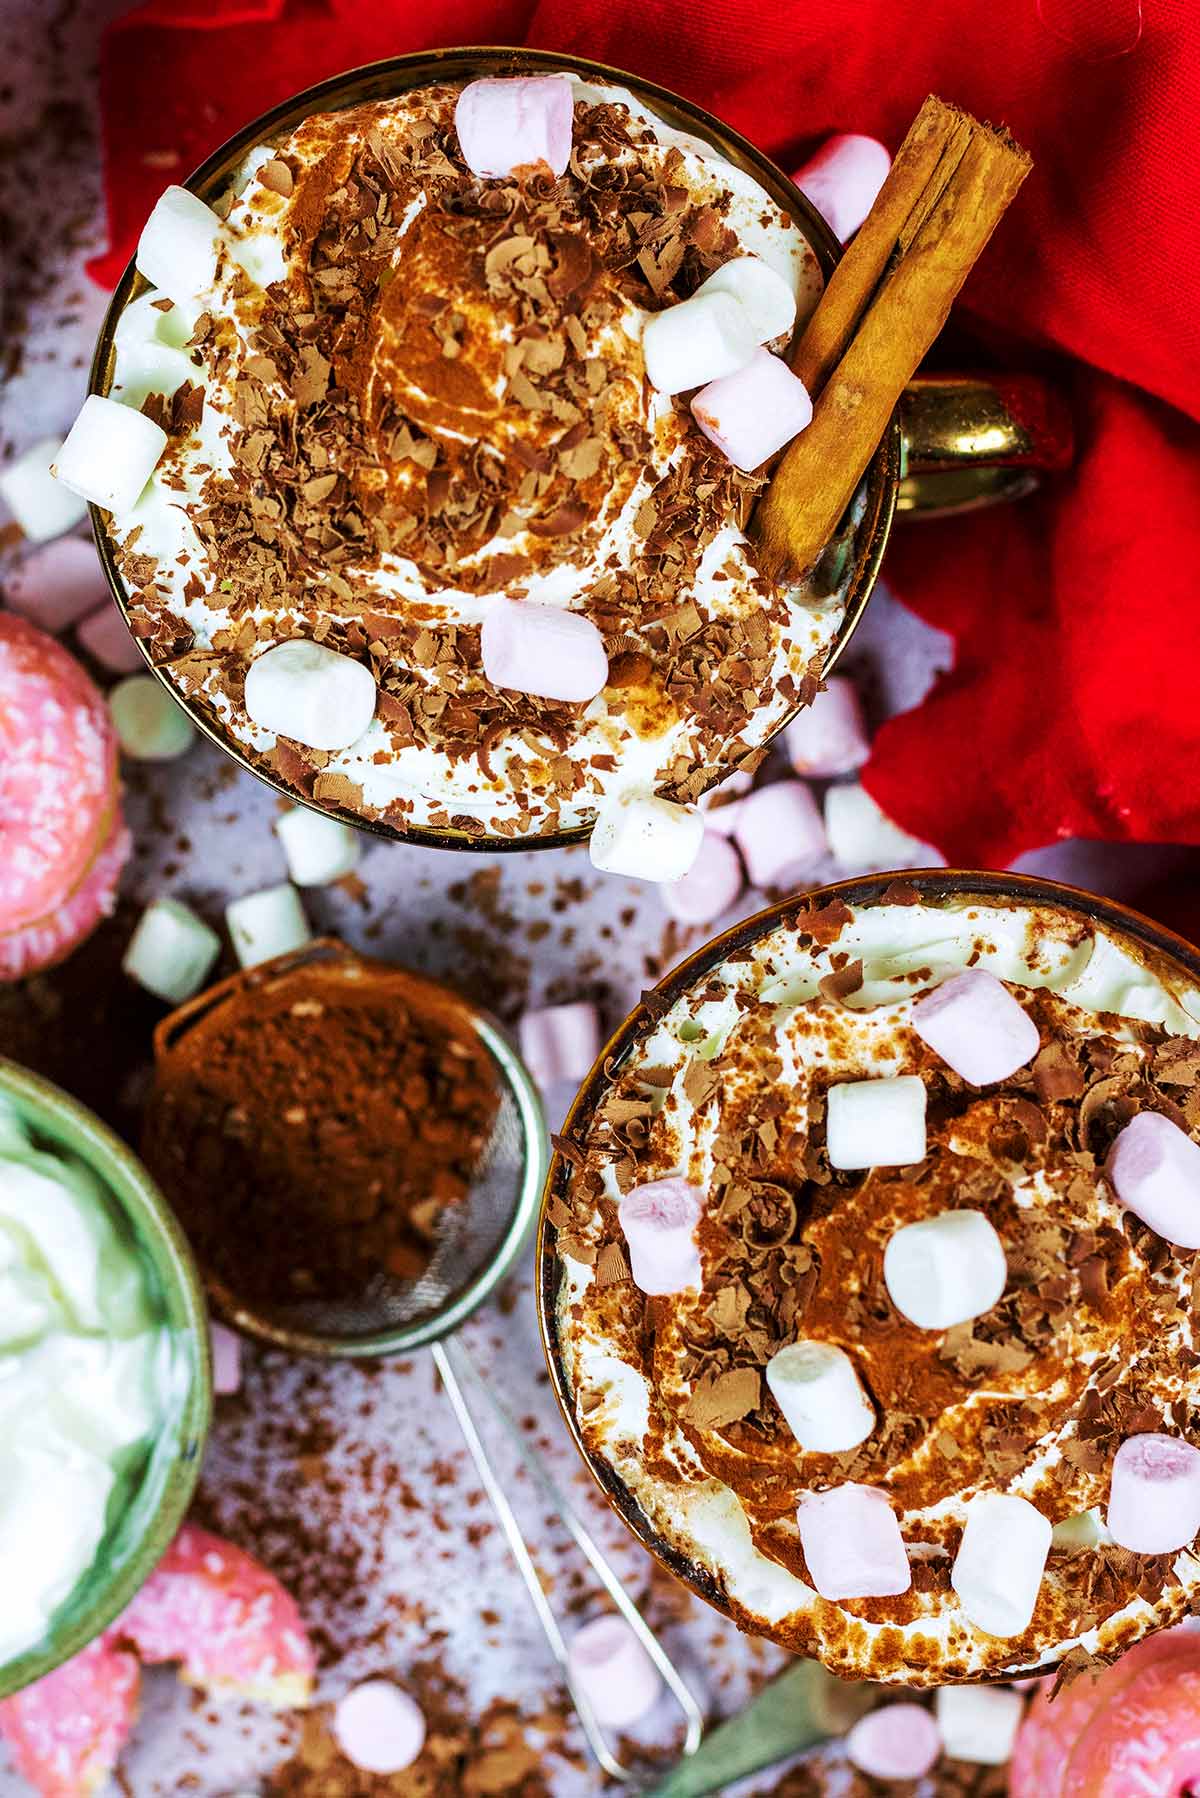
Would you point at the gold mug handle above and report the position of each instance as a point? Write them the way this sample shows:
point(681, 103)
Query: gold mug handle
point(973, 440)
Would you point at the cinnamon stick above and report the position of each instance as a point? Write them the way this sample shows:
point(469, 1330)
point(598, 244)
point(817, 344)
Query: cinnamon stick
point(951, 182)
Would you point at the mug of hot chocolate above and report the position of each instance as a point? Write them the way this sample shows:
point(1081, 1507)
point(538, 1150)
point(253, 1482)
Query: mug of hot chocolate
point(868, 1276)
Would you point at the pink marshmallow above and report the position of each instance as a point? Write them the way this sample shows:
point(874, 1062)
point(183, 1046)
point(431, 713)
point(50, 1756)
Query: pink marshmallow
point(106, 636)
point(519, 122)
point(58, 584)
point(710, 886)
point(973, 1022)
point(751, 414)
point(226, 1359)
point(852, 1543)
point(722, 803)
point(379, 1728)
point(1154, 1496)
point(1154, 1168)
point(828, 737)
point(900, 1741)
point(560, 1042)
point(659, 1222)
point(542, 650)
point(843, 180)
point(610, 1667)
point(780, 834)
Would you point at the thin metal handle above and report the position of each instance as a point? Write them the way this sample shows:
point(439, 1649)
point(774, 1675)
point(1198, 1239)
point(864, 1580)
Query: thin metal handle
point(454, 1365)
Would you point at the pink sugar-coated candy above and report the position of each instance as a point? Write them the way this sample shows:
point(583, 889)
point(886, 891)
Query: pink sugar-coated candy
point(515, 123)
point(560, 1042)
point(226, 1359)
point(754, 412)
point(973, 1022)
point(65, 1732)
point(51, 940)
point(852, 1543)
point(1154, 1496)
point(58, 584)
point(899, 1741)
point(828, 737)
point(109, 641)
point(659, 1221)
point(1154, 1168)
point(710, 886)
point(379, 1727)
point(843, 180)
point(543, 650)
point(613, 1671)
point(780, 834)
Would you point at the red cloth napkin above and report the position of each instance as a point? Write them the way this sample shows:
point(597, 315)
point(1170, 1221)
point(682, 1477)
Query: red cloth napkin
point(1070, 710)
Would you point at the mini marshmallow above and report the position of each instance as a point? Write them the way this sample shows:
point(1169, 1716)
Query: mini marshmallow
point(876, 1123)
point(58, 584)
point(515, 122)
point(311, 694)
point(852, 1543)
point(151, 726)
point(843, 180)
point(645, 836)
point(753, 412)
point(899, 1741)
point(1154, 1498)
point(1086, 1529)
point(945, 1270)
point(266, 924)
point(768, 301)
point(608, 1664)
point(106, 636)
point(42, 506)
point(722, 803)
point(659, 1223)
point(997, 1572)
point(172, 951)
point(110, 453)
point(973, 1022)
point(779, 833)
point(1154, 1169)
point(543, 650)
point(828, 737)
point(978, 1723)
point(560, 1042)
point(710, 886)
point(822, 1400)
point(318, 849)
point(697, 340)
point(863, 839)
point(226, 1349)
point(178, 249)
point(378, 1727)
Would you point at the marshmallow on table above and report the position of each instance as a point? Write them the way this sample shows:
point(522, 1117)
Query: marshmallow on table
point(645, 836)
point(852, 1543)
point(42, 506)
point(822, 1400)
point(973, 1022)
point(560, 1042)
point(697, 340)
point(106, 636)
point(754, 411)
point(378, 1727)
point(172, 951)
point(997, 1572)
point(876, 1123)
point(1154, 1169)
point(768, 301)
point(722, 803)
point(945, 1270)
point(613, 1671)
point(899, 1741)
point(659, 1224)
point(710, 886)
point(843, 179)
point(779, 832)
point(266, 924)
point(310, 694)
point(58, 584)
point(515, 122)
point(828, 737)
point(543, 650)
point(1154, 1498)
point(180, 242)
point(319, 849)
point(226, 1347)
point(865, 840)
point(978, 1723)
point(110, 453)
point(150, 725)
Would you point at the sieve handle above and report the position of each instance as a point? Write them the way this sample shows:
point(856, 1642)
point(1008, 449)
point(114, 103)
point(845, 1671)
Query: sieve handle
point(456, 1368)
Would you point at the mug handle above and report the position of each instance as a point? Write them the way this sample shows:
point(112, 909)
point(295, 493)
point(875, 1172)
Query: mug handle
point(973, 440)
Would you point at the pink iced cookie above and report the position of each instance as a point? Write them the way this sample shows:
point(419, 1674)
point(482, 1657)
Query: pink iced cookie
point(65, 1733)
point(898, 1741)
point(515, 123)
point(58, 770)
point(52, 939)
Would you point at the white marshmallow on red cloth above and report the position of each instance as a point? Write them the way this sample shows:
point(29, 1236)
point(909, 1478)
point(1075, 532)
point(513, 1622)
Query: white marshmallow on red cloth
point(865, 840)
point(843, 180)
point(852, 1543)
point(876, 1123)
point(151, 725)
point(768, 301)
point(319, 849)
point(177, 251)
point(821, 1397)
point(899, 1741)
point(610, 1667)
point(58, 584)
point(645, 836)
point(379, 1727)
point(829, 737)
point(110, 453)
point(997, 1572)
point(42, 506)
point(696, 341)
point(945, 1270)
point(106, 636)
point(172, 951)
point(973, 1022)
point(753, 412)
point(543, 650)
point(515, 122)
point(978, 1723)
point(710, 886)
point(266, 924)
point(560, 1042)
point(780, 834)
point(226, 1347)
point(659, 1224)
point(1154, 1498)
point(1154, 1169)
point(311, 694)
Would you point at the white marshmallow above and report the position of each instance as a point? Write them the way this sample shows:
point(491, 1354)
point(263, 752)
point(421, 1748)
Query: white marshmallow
point(997, 1572)
point(153, 367)
point(876, 1123)
point(311, 694)
point(110, 453)
point(645, 836)
point(1154, 1497)
point(945, 1270)
point(843, 180)
point(172, 951)
point(659, 1221)
point(978, 1723)
point(378, 1727)
point(178, 249)
point(543, 650)
point(711, 885)
point(106, 636)
point(58, 584)
point(560, 1042)
point(266, 924)
point(817, 1389)
point(696, 341)
point(768, 301)
point(779, 832)
point(864, 840)
point(319, 849)
point(973, 1022)
point(42, 506)
point(898, 1741)
point(150, 724)
point(610, 1667)
point(1154, 1169)
point(828, 737)
point(226, 1350)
